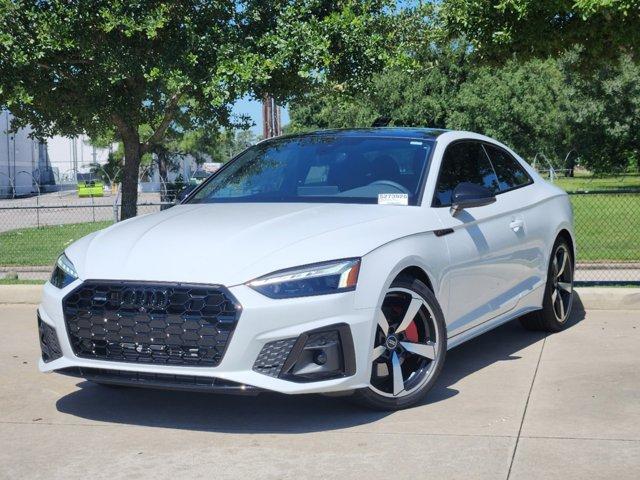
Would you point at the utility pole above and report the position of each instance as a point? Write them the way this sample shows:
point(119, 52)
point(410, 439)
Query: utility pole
point(271, 118)
point(74, 157)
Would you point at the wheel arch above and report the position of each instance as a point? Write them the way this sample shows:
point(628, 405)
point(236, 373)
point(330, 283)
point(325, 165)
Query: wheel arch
point(414, 271)
point(566, 235)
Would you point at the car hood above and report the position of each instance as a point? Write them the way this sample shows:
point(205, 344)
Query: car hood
point(232, 243)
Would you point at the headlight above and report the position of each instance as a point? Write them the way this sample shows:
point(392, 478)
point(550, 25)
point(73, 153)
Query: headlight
point(64, 272)
point(316, 279)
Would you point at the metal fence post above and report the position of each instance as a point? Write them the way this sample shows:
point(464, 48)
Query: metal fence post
point(115, 204)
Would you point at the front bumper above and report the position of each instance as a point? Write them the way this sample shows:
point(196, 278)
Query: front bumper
point(262, 321)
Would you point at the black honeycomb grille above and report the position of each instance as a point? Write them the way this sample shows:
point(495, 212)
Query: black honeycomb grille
point(272, 357)
point(153, 323)
point(49, 344)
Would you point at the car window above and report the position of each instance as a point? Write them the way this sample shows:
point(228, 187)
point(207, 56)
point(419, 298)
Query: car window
point(322, 169)
point(509, 172)
point(463, 162)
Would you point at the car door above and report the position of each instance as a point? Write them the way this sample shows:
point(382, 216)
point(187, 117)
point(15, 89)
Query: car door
point(485, 269)
point(528, 218)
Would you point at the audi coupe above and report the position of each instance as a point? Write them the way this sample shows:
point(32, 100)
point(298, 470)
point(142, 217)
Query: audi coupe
point(341, 261)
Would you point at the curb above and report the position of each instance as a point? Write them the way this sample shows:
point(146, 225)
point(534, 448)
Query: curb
point(609, 298)
point(592, 298)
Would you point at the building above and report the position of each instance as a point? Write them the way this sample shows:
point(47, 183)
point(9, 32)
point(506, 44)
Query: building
point(28, 166)
point(23, 161)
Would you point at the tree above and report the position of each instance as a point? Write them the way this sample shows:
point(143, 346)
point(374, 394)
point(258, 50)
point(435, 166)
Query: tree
point(203, 145)
point(604, 114)
point(70, 67)
point(498, 30)
point(420, 95)
point(523, 105)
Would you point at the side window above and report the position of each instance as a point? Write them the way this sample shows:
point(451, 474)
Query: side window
point(510, 173)
point(463, 162)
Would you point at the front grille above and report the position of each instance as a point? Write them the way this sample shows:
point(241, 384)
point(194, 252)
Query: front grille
point(153, 323)
point(49, 344)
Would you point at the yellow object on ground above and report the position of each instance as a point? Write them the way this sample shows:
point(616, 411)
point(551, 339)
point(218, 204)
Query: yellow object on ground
point(90, 189)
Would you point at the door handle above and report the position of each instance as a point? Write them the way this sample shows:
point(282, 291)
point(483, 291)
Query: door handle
point(516, 225)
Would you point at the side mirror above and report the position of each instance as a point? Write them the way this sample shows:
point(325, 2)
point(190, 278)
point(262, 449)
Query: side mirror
point(468, 195)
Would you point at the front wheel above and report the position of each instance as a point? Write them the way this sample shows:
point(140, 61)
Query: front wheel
point(409, 347)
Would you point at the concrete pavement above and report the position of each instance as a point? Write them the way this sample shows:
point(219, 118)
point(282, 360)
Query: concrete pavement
point(509, 404)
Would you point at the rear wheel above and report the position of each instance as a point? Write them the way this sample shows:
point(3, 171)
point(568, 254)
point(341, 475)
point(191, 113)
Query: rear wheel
point(409, 347)
point(558, 295)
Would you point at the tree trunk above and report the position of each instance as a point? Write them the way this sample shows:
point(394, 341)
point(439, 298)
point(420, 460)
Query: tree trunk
point(571, 166)
point(161, 154)
point(130, 171)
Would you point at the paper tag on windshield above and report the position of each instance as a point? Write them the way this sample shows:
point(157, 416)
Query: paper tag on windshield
point(393, 199)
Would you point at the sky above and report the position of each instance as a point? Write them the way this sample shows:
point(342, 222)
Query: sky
point(253, 108)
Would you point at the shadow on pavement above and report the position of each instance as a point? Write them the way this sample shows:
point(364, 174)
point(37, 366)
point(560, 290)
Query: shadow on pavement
point(275, 413)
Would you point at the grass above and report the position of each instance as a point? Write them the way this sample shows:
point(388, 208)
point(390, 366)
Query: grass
point(15, 281)
point(41, 246)
point(607, 227)
point(590, 183)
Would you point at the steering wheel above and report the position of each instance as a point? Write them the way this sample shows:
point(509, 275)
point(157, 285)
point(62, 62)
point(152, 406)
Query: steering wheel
point(389, 183)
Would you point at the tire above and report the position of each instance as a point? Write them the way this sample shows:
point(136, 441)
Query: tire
point(421, 328)
point(558, 291)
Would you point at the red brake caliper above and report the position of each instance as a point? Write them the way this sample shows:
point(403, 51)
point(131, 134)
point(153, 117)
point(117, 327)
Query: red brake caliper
point(412, 332)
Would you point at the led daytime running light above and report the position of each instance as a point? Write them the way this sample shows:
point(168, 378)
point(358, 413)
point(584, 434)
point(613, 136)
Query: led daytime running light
point(314, 279)
point(66, 266)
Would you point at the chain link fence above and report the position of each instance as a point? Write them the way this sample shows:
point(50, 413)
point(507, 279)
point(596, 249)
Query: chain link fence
point(34, 230)
point(607, 228)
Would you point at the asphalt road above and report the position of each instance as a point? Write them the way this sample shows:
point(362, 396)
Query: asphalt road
point(509, 404)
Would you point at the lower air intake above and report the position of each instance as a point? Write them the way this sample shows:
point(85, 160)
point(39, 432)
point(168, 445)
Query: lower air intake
point(49, 344)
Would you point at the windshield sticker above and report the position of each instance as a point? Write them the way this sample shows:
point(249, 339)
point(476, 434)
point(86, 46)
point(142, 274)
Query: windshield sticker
point(393, 199)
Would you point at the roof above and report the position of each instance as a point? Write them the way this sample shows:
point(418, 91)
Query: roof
point(386, 132)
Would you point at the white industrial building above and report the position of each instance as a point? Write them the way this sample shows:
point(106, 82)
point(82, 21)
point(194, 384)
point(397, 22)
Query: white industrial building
point(28, 166)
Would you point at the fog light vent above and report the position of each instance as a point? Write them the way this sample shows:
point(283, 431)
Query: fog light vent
point(321, 354)
point(48, 342)
point(272, 357)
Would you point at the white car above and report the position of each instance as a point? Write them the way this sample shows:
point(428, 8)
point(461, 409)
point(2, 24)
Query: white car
point(338, 261)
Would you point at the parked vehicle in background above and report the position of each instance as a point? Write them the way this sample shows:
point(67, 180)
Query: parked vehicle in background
point(336, 261)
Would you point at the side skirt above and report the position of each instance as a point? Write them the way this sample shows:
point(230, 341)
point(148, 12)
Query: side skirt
point(529, 303)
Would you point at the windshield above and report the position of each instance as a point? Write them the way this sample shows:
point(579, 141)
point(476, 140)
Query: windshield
point(319, 168)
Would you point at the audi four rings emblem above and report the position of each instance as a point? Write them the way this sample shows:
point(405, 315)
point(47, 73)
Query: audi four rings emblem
point(144, 299)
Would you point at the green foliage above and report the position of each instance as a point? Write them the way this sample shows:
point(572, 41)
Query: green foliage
point(110, 172)
point(604, 115)
point(549, 107)
point(70, 67)
point(522, 105)
point(419, 96)
point(74, 67)
point(499, 29)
